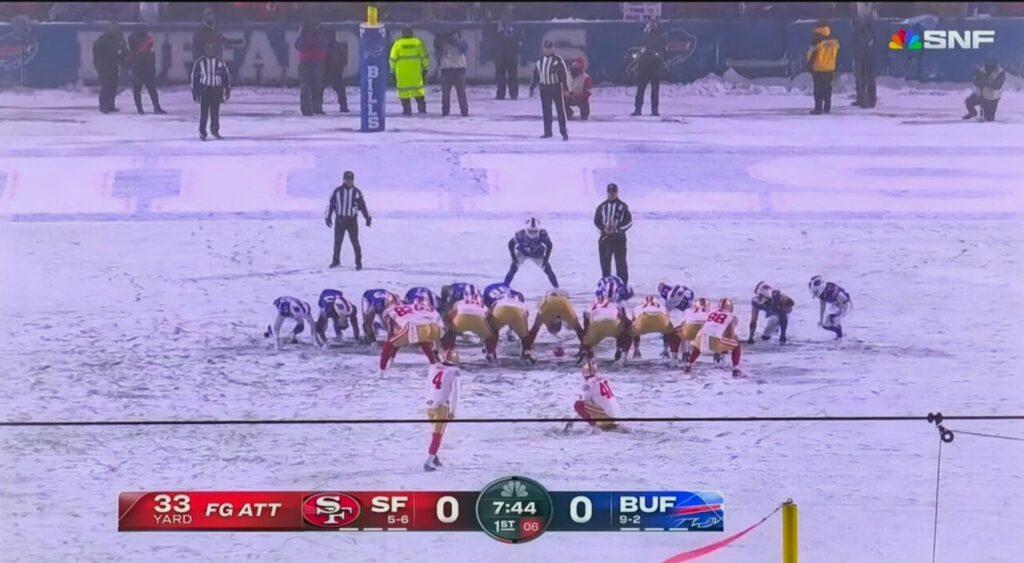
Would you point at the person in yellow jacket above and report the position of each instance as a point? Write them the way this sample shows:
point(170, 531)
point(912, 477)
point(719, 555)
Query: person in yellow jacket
point(821, 58)
point(409, 63)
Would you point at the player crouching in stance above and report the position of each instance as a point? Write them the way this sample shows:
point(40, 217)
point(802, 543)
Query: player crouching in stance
point(296, 310)
point(464, 312)
point(422, 294)
point(649, 317)
point(442, 398)
point(596, 402)
point(339, 311)
point(835, 304)
point(534, 244)
point(719, 336)
point(374, 303)
point(508, 309)
point(606, 318)
point(689, 328)
point(555, 310)
point(410, 324)
point(776, 306)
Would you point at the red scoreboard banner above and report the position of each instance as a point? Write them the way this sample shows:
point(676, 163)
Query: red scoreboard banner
point(297, 511)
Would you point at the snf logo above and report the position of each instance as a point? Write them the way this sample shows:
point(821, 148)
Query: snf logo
point(941, 39)
point(330, 510)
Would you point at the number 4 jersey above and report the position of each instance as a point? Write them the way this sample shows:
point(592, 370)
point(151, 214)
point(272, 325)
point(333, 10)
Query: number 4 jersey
point(443, 387)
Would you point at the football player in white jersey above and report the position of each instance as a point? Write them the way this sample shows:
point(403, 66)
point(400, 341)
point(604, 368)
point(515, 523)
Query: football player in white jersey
point(416, 324)
point(603, 319)
point(597, 401)
point(466, 313)
point(442, 400)
point(554, 311)
point(719, 336)
point(649, 317)
point(689, 328)
point(296, 310)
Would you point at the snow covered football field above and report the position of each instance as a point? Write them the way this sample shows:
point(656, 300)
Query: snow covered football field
point(138, 268)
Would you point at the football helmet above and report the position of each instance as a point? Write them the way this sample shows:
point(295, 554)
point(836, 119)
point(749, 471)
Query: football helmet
point(816, 285)
point(533, 227)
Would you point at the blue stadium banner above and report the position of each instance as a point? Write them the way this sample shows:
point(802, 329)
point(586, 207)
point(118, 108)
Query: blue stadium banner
point(373, 73)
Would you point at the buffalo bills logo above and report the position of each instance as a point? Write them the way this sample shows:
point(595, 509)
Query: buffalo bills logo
point(372, 52)
point(680, 46)
point(16, 50)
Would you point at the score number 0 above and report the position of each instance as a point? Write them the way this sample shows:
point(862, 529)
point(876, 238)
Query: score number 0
point(581, 509)
point(447, 510)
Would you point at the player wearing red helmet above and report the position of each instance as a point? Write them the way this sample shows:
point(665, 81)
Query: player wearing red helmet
point(718, 334)
point(597, 401)
point(416, 324)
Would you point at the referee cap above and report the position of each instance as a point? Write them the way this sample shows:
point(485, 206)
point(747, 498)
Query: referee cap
point(348, 175)
point(549, 44)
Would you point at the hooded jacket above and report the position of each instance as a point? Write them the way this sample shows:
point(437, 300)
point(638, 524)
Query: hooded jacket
point(824, 50)
point(451, 51)
point(579, 81)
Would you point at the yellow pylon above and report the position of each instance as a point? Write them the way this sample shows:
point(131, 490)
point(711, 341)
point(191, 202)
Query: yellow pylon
point(790, 543)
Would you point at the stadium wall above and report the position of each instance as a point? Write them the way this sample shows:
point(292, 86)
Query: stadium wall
point(60, 54)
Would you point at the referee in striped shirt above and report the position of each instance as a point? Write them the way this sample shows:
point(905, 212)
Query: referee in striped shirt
point(551, 74)
point(211, 85)
point(613, 219)
point(345, 202)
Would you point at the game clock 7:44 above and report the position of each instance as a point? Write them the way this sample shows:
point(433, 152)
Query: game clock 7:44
point(514, 509)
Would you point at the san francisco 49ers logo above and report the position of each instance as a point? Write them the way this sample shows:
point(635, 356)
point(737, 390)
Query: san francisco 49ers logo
point(330, 510)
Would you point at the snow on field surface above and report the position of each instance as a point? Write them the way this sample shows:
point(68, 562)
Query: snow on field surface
point(138, 267)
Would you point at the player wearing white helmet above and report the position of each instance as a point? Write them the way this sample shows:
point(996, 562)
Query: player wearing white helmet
point(719, 336)
point(531, 243)
point(296, 310)
point(374, 303)
point(442, 400)
point(776, 306)
point(835, 304)
point(597, 401)
point(334, 308)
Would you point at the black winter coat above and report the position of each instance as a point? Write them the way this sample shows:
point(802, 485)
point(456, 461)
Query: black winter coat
point(108, 52)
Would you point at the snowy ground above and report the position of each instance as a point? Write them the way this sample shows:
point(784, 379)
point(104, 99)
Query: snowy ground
point(137, 274)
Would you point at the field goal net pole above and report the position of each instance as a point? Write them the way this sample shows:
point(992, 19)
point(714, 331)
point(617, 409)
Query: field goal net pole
point(373, 72)
point(789, 532)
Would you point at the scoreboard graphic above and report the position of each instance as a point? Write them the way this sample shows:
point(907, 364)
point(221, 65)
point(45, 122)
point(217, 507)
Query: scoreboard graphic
point(511, 510)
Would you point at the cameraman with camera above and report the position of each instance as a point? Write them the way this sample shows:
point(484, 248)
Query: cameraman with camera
point(450, 49)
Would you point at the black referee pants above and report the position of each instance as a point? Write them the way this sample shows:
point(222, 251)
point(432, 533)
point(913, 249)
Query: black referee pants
point(551, 95)
point(348, 225)
point(209, 108)
point(613, 246)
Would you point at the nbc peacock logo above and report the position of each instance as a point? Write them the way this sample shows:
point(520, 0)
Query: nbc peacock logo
point(899, 41)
